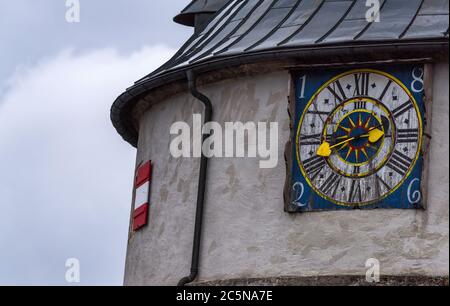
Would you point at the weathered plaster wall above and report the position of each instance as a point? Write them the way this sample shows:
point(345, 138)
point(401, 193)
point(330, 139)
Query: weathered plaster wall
point(246, 231)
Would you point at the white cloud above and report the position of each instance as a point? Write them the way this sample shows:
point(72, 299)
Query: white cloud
point(65, 174)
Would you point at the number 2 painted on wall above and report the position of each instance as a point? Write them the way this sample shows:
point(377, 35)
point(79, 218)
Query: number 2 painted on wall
point(298, 190)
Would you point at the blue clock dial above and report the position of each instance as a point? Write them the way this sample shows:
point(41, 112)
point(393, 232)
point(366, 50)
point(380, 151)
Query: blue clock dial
point(358, 140)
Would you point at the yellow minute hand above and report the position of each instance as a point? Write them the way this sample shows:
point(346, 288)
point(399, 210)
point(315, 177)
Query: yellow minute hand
point(325, 149)
point(347, 140)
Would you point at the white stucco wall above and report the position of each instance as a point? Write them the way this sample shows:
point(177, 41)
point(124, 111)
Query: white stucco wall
point(246, 232)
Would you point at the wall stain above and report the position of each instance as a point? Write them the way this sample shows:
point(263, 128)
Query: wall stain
point(161, 229)
point(233, 181)
point(337, 257)
point(252, 249)
point(186, 196)
point(263, 180)
point(212, 247)
point(180, 185)
point(277, 260)
point(275, 98)
point(163, 193)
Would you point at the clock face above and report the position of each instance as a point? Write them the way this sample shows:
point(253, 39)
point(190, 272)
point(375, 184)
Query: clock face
point(358, 139)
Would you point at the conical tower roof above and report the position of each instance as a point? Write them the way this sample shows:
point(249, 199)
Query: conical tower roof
point(296, 32)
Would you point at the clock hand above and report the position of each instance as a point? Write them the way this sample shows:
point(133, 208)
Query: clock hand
point(325, 148)
point(374, 135)
point(348, 140)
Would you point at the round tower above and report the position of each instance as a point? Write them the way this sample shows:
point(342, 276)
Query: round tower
point(325, 157)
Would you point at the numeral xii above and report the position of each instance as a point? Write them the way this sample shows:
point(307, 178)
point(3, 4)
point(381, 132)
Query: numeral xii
point(362, 83)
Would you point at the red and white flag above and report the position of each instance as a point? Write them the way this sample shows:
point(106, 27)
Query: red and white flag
point(142, 195)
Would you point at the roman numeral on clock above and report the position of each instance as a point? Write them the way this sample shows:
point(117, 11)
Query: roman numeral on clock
point(407, 135)
point(331, 184)
point(310, 140)
point(402, 109)
point(362, 84)
point(360, 105)
point(381, 182)
point(339, 94)
point(355, 194)
point(355, 189)
point(321, 113)
point(383, 94)
point(399, 162)
point(313, 166)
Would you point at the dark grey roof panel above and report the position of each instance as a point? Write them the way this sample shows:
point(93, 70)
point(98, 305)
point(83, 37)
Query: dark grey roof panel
point(430, 19)
point(326, 18)
point(426, 25)
point(260, 9)
point(256, 10)
point(285, 3)
point(433, 7)
point(359, 10)
point(248, 31)
point(223, 20)
point(246, 26)
point(395, 18)
point(270, 21)
point(303, 13)
point(231, 28)
point(352, 26)
point(346, 31)
point(217, 30)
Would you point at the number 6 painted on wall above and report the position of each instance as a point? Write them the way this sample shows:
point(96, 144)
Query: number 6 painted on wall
point(415, 196)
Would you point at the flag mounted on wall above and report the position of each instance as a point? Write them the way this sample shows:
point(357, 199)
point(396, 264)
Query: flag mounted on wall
point(142, 195)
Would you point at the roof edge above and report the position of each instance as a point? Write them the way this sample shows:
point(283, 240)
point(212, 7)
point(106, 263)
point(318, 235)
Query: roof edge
point(122, 107)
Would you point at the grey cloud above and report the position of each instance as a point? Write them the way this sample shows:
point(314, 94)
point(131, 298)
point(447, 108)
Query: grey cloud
point(65, 175)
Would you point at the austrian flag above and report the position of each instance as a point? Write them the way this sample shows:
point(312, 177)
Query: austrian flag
point(142, 195)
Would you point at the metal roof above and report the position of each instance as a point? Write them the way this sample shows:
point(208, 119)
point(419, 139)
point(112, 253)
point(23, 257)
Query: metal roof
point(244, 29)
point(187, 15)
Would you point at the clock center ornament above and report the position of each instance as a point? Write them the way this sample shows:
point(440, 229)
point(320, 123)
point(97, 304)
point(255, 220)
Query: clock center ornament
point(358, 139)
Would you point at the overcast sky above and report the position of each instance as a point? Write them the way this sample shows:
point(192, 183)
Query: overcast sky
point(65, 174)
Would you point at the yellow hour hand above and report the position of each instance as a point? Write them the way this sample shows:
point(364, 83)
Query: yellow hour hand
point(375, 135)
point(325, 149)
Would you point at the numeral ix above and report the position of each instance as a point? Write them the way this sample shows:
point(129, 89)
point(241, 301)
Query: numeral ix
point(407, 135)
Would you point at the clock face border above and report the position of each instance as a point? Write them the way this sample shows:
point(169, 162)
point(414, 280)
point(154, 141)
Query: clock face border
point(302, 196)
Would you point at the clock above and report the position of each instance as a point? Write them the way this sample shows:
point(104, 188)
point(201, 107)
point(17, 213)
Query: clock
point(358, 138)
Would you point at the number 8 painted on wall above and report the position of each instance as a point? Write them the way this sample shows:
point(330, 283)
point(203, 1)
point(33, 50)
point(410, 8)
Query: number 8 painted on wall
point(417, 79)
